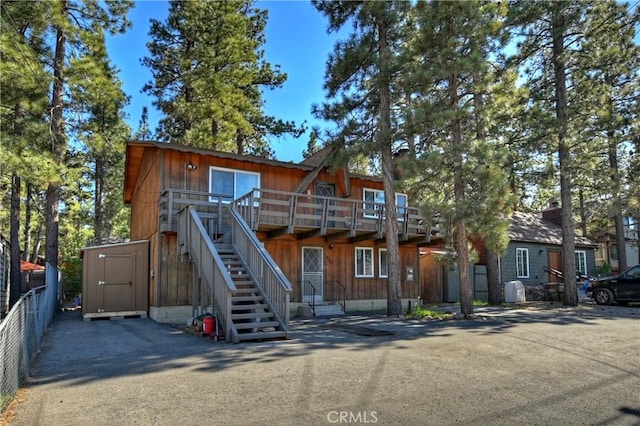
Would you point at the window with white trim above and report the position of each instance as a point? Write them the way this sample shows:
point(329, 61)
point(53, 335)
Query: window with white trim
point(522, 263)
point(581, 261)
point(374, 201)
point(364, 262)
point(383, 270)
point(230, 183)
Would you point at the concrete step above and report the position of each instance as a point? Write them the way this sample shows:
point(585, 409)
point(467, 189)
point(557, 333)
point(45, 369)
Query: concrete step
point(261, 335)
point(328, 310)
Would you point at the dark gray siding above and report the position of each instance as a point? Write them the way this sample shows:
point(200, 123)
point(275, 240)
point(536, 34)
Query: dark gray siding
point(538, 259)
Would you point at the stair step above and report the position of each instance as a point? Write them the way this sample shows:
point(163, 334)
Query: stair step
point(246, 299)
point(247, 290)
point(261, 324)
point(238, 282)
point(252, 315)
point(249, 307)
point(328, 310)
point(261, 335)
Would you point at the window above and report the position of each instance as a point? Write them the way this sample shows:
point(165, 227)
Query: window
point(374, 201)
point(522, 263)
point(382, 262)
point(364, 262)
point(581, 262)
point(231, 184)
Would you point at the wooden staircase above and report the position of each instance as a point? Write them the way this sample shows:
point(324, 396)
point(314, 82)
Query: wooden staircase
point(251, 314)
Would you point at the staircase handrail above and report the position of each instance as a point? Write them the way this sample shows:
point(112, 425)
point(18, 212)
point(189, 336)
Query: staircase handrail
point(342, 299)
point(273, 282)
point(312, 303)
point(209, 264)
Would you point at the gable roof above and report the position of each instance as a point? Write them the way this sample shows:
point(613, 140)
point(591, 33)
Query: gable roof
point(531, 228)
point(135, 151)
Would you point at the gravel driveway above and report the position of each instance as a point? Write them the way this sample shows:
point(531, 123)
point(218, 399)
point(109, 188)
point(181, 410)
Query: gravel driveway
point(529, 366)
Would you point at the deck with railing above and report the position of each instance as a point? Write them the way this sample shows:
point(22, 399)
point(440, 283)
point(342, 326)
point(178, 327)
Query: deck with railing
point(280, 213)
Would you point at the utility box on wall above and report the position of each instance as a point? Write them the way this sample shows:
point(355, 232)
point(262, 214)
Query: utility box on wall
point(115, 280)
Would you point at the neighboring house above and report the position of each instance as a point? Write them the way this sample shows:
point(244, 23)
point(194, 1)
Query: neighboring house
point(607, 252)
point(535, 246)
point(256, 238)
point(32, 276)
point(5, 262)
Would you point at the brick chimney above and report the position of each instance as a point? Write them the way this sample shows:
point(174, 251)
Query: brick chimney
point(553, 214)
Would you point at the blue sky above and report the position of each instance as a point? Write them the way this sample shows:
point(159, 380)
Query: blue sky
point(297, 40)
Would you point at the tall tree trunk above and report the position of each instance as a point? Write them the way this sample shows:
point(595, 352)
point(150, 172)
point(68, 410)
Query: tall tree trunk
point(15, 290)
point(394, 301)
point(564, 154)
point(461, 238)
point(52, 203)
point(37, 243)
point(614, 172)
point(583, 213)
point(98, 227)
point(493, 278)
point(27, 223)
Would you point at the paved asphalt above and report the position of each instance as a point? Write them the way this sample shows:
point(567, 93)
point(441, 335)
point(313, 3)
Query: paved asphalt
point(512, 368)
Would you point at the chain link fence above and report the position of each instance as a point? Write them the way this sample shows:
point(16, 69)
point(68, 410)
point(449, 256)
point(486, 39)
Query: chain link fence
point(21, 334)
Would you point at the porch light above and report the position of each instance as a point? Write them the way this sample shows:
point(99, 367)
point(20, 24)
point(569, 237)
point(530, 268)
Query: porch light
point(191, 166)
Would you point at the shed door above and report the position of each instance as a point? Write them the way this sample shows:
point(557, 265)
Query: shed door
point(555, 262)
point(117, 278)
point(312, 273)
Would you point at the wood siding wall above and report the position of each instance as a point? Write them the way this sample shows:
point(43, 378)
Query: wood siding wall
point(339, 265)
point(176, 175)
point(171, 280)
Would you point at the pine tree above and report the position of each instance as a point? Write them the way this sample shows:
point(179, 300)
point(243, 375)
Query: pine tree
point(461, 173)
point(98, 102)
point(360, 78)
point(208, 69)
point(608, 80)
point(550, 32)
point(23, 88)
point(79, 30)
point(144, 132)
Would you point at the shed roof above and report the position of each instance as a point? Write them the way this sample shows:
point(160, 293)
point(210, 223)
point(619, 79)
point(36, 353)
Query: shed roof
point(531, 228)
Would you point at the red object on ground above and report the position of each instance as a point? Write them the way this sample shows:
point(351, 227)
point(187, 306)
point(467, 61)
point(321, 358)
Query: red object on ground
point(208, 325)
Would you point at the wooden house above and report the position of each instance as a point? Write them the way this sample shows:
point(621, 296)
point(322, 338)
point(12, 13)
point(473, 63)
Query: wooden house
point(258, 239)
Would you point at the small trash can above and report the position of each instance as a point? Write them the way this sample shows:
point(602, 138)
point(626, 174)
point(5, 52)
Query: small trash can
point(514, 292)
point(208, 325)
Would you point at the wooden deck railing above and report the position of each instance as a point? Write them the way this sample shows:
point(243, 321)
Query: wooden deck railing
point(208, 205)
point(287, 212)
point(279, 212)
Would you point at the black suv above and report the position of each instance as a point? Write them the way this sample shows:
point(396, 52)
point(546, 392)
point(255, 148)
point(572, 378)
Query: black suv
point(621, 288)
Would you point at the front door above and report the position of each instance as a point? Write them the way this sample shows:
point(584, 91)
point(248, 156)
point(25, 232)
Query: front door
point(555, 262)
point(312, 274)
